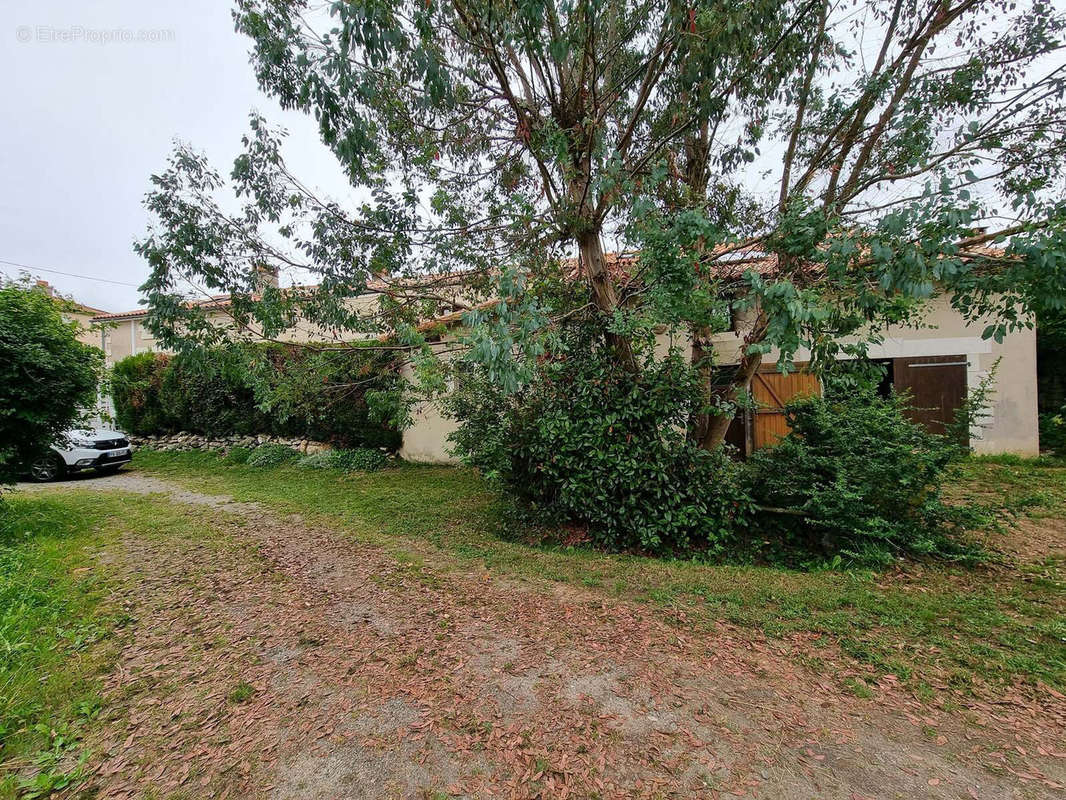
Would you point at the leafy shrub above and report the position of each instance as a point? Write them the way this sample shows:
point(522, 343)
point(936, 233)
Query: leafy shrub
point(360, 459)
point(206, 393)
point(323, 395)
point(588, 442)
point(47, 377)
point(1053, 433)
point(271, 455)
point(237, 455)
point(136, 388)
point(248, 389)
point(856, 479)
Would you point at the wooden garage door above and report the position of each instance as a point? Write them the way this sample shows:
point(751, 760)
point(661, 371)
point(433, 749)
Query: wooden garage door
point(937, 388)
point(771, 391)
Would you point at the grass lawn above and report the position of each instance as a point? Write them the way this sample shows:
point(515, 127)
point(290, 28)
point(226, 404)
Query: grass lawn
point(936, 626)
point(54, 627)
point(64, 618)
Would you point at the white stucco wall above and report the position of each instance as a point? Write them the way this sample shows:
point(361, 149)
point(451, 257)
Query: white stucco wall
point(1012, 426)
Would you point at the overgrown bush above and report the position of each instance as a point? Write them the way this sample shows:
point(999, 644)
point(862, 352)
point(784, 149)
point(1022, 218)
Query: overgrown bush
point(136, 388)
point(271, 455)
point(360, 459)
point(325, 395)
point(856, 479)
point(207, 393)
point(47, 377)
point(256, 389)
point(589, 442)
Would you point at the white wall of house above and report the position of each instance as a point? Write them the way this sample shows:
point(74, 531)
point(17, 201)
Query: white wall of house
point(1012, 424)
point(1011, 427)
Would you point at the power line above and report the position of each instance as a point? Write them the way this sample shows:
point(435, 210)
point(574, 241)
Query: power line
point(68, 274)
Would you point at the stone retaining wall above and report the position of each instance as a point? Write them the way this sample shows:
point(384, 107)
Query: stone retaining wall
point(184, 442)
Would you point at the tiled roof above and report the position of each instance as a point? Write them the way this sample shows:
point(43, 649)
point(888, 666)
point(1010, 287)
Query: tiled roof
point(730, 262)
point(223, 300)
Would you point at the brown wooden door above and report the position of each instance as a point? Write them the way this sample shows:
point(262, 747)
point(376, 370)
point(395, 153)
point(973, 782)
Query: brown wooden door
point(771, 391)
point(936, 385)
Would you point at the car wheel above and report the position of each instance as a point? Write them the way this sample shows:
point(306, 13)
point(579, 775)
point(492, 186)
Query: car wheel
point(47, 468)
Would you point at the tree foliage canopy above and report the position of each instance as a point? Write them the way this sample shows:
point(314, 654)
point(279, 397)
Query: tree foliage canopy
point(825, 167)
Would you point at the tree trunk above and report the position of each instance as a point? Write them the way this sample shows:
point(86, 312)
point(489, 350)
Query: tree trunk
point(718, 424)
point(702, 360)
point(604, 292)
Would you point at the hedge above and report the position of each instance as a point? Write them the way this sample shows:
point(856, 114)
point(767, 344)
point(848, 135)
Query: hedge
point(271, 390)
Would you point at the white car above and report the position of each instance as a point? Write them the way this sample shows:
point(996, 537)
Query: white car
point(83, 448)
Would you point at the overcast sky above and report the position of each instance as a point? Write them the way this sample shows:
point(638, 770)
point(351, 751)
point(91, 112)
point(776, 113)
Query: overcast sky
point(90, 117)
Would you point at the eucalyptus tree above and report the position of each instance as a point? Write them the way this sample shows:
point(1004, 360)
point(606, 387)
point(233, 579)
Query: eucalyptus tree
point(485, 136)
point(821, 166)
point(918, 147)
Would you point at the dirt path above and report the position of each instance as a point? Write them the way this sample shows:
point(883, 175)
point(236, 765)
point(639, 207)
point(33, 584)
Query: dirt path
point(301, 665)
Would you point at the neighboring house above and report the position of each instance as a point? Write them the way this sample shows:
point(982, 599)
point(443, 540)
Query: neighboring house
point(123, 334)
point(73, 311)
point(83, 315)
point(938, 364)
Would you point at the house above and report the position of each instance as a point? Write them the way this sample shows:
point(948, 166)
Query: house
point(938, 363)
point(124, 333)
point(74, 311)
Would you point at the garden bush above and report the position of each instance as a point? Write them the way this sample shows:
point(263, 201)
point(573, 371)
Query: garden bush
point(47, 377)
point(257, 389)
point(856, 479)
point(323, 395)
point(588, 442)
point(271, 455)
point(360, 459)
point(206, 393)
point(136, 388)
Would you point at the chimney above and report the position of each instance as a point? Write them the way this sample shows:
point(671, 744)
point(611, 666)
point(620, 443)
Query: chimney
point(266, 275)
point(46, 287)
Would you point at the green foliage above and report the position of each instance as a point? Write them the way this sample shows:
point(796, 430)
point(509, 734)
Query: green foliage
point(47, 377)
point(1053, 433)
point(238, 455)
point(136, 388)
point(271, 455)
point(255, 389)
point(207, 393)
point(591, 443)
point(856, 480)
point(360, 459)
point(323, 395)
